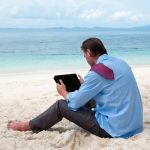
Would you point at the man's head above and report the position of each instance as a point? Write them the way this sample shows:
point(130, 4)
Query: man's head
point(92, 49)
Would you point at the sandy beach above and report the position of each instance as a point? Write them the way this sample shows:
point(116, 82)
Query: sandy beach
point(25, 95)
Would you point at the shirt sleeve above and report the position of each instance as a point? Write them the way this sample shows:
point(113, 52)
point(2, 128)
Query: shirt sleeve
point(93, 84)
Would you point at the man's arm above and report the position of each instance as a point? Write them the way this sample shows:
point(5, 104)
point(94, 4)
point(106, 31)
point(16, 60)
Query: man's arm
point(93, 84)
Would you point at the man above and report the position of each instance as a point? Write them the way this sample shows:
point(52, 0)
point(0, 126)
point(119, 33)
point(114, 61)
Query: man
point(111, 84)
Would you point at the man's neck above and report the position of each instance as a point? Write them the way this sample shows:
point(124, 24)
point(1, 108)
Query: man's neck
point(95, 59)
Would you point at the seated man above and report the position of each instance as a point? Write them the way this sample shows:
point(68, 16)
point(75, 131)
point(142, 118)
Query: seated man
point(110, 82)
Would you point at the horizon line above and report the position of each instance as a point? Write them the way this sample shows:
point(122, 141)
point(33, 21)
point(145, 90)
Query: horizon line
point(79, 27)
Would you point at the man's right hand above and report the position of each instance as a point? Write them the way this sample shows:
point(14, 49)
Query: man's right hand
point(61, 89)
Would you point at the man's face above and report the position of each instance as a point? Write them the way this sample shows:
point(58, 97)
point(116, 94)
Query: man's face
point(88, 57)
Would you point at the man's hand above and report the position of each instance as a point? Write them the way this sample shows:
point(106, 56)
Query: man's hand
point(61, 89)
point(80, 79)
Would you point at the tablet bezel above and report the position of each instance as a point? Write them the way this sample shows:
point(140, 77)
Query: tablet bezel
point(71, 81)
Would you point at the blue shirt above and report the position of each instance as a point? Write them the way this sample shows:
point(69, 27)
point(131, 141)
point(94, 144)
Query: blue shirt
point(119, 108)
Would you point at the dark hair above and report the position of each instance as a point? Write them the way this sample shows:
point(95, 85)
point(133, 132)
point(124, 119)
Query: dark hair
point(95, 45)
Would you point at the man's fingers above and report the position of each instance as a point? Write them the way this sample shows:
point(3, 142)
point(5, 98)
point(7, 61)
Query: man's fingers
point(57, 84)
point(79, 76)
point(61, 82)
point(80, 79)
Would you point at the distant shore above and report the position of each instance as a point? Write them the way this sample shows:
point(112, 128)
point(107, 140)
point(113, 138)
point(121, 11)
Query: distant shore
point(139, 28)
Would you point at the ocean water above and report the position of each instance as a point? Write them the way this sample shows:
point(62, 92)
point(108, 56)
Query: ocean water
point(45, 49)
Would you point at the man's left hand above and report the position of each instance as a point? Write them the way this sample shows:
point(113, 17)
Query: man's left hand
point(61, 89)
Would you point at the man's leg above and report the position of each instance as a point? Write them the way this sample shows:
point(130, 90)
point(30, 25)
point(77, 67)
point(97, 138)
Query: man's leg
point(91, 104)
point(84, 118)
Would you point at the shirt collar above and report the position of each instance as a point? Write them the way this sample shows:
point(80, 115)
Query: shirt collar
point(101, 58)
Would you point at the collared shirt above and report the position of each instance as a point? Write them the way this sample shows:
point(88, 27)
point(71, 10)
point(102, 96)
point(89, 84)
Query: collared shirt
point(119, 108)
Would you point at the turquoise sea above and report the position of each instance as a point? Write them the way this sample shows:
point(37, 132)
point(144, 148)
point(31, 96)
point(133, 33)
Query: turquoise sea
point(49, 49)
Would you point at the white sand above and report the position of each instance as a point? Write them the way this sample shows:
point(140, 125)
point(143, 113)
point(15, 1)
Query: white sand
point(23, 96)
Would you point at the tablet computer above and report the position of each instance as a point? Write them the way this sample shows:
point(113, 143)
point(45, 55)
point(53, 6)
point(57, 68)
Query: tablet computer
point(71, 81)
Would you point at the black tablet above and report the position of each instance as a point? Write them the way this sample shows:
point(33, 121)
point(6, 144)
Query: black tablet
point(71, 81)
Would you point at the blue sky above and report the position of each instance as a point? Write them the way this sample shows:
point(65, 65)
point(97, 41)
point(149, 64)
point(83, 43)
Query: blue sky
point(74, 13)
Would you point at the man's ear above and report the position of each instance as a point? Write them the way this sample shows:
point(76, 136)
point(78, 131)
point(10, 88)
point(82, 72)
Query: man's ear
point(90, 53)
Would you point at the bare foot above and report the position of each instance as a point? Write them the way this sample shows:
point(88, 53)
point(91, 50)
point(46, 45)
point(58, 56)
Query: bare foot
point(18, 125)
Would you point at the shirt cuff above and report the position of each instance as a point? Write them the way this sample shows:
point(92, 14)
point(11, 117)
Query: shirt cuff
point(68, 98)
point(73, 109)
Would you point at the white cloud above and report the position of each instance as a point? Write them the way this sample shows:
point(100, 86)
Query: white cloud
point(40, 9)
point(129, 16)
point(91, 14)
point(139, 17)
point(120, 15)
point(73, 12)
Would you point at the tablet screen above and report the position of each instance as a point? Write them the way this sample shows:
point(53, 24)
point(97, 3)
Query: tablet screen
point(71, 81)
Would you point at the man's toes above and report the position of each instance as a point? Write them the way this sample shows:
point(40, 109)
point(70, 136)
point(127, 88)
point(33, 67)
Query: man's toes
point(10, 121)
point(9, 126)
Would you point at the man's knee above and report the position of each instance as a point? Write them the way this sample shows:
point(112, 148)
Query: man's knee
point(61, 103)
point(61, 106)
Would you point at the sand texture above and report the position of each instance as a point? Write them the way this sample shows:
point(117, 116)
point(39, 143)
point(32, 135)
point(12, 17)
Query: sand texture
point(25, 95)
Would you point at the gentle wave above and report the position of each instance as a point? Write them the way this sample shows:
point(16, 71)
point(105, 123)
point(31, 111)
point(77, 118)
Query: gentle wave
point(38, 49)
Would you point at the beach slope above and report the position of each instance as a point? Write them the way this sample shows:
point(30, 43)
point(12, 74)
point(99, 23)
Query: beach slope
point(25, 95)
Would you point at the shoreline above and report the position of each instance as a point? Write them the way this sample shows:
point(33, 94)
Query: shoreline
point(57, 71)
point(52, 71)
